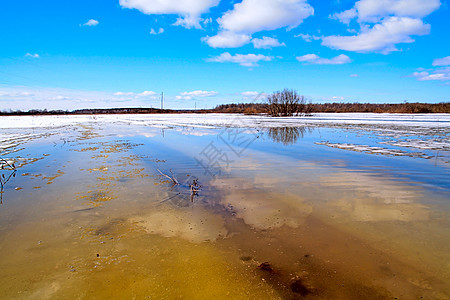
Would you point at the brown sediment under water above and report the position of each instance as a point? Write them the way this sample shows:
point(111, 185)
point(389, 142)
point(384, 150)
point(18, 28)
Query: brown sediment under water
point(92, 211)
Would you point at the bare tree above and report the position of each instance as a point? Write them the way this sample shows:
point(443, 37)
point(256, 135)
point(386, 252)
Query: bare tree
point(286, 103)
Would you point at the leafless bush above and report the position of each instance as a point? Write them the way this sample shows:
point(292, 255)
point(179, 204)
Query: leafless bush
point(286, 103)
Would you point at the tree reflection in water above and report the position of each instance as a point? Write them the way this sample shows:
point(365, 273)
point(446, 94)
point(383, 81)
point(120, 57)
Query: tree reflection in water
point(287, 135)
point(11, 169)
point(3, 181)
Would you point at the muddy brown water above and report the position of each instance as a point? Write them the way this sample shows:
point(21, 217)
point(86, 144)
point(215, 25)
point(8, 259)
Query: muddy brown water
point(88, 215)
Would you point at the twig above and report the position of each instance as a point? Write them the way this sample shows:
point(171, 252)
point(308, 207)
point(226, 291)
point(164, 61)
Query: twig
point(173, 179)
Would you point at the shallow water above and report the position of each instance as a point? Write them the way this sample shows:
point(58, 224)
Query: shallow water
point(320, 212)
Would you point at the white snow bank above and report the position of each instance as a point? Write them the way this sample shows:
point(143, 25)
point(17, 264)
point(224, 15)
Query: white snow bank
point(230, 120)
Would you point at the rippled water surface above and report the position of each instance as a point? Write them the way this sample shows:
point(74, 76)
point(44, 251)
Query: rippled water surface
point(315, 212)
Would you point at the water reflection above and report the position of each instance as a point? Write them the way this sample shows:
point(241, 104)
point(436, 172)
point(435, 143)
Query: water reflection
point(4, 179)
point(261, 208)
point(272, 224)
point(287, 135)
point(195, 224)
point(368, 197)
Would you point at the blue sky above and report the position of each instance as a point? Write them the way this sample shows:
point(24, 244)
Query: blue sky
point(124, 53)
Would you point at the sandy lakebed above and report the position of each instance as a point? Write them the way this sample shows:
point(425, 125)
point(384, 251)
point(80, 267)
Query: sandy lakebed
point(333, 206)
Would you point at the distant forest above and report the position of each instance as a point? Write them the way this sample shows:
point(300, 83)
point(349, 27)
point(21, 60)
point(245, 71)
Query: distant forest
point(257, 108)
point(252, 108)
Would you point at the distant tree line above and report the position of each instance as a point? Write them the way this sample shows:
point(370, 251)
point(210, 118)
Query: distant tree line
point(257, 108)
point(301, 108)
point(33, 112)
point(94, 111)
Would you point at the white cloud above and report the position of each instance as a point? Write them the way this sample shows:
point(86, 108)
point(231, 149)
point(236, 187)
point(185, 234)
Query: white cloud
point(354, 75)
point(188, 10)
point(441, 74)
point(266, 43)
point(15, 94)
point(445, 61)
point(249, 94)
point(382, 37)
point(188, 22)
point(227, 39)
point(33, 55)
point(26, 98)
point(144, 94)
point(307, 38)
point(196, 94)
point(251, 16)
point(345, 16)
point(375, 10)
point(337, 98)
point(372, 11)
point(246, 60)
point(252, 96)
point(316, 60)
point(160, 30)
point(207, 21)
point(147, 94)
point(91, 22)
point(123, 94)
point(383, 23)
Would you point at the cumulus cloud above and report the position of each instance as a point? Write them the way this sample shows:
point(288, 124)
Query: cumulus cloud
point(251, 16)
point(316, 60)
point(91, 22)
point(196, 94)
point(345, 16)
point(266, 43)
point(372, 11)
point(147, 94)
point(123, 94)
point(246, 60)
point(189, 11)
point(375, 10)
point(207, 21)
point(382, 37)
point(383, 24)
point(250, 94)
point(160, 30)
point(33, 55)
point(144, 94)
point(307, 38)
point(227, 39)
point(440, 74)
point(445, 61)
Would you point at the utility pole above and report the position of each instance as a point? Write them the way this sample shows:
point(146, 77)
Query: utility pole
point(162, 100)
point(195, 105)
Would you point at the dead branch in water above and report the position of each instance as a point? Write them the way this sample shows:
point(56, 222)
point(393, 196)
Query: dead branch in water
point(172, 178)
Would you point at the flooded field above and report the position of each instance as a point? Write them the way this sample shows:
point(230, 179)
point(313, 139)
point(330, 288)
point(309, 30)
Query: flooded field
point(225, 206)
